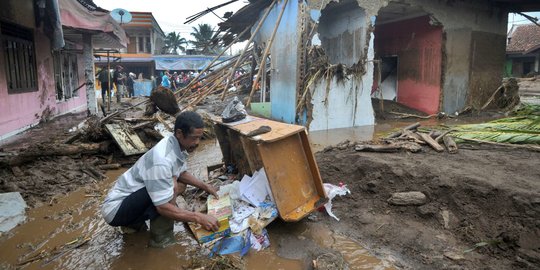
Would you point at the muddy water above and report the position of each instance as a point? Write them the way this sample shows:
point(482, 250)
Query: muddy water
point(323, 138)
point(42, 242)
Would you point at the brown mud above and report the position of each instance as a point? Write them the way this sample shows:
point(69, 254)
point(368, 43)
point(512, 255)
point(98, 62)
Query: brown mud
point(484, 199)
point(483, 210)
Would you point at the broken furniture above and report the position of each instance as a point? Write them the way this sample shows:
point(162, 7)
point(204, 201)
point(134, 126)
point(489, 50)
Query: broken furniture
point(285, 154)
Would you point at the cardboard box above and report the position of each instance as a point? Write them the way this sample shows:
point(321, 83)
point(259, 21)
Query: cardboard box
point(221, 209)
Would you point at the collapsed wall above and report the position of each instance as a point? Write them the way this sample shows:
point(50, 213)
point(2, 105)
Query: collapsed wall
point(326, 56)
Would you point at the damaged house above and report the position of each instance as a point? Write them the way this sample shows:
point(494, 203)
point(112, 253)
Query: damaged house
point(46, 59)
point(329, 58)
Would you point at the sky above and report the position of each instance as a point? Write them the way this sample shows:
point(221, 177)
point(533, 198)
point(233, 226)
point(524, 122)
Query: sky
point(518, 19)
point(171, 14)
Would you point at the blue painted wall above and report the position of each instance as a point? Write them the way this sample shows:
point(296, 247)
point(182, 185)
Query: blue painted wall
point(284, 62)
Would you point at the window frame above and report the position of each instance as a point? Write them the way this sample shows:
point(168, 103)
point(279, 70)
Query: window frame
point(19, 53)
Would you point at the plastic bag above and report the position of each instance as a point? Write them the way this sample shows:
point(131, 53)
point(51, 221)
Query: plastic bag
point(234, 111)
point(331, 192)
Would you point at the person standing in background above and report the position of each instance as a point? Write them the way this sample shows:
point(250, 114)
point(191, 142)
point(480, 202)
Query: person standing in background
point(120, 80)
point(165, 80)
point(129, 84)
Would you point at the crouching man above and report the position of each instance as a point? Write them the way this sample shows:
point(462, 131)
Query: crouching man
point(148, 190)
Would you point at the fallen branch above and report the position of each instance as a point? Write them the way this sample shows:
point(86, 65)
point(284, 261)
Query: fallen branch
point(450, 144)
point(398, 133)
point(435, 145)
point(440, 137)
point(32, 153)
point(408, 115)
point(112, 166)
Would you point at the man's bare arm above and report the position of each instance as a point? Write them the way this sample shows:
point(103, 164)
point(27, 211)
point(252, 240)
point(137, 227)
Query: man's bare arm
point(188, 179)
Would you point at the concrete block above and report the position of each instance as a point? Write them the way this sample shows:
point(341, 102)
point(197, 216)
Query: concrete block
point(12, 210)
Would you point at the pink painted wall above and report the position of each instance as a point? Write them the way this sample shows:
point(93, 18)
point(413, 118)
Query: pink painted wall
point(18, 111)
point(418, 46)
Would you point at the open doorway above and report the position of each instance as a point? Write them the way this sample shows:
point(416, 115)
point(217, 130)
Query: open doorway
point(408, 47)
point(387, 84)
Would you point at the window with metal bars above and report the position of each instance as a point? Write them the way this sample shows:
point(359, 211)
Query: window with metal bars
point(66, 74)
point(17, 43)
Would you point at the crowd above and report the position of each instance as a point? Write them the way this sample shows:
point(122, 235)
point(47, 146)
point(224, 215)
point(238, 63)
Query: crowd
point(177, 80)
point(123, 83)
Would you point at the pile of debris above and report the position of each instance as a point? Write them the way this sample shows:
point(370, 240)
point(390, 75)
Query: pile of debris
point(409, 139)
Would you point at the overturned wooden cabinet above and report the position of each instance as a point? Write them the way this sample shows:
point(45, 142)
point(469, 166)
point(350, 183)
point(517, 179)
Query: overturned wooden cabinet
point(285, 154)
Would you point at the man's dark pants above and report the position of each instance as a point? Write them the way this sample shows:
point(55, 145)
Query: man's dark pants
point(135, 209)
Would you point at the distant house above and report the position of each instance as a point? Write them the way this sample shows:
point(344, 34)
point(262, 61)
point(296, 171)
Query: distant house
point(46, 59)
point(146, 38)
point(523, 51)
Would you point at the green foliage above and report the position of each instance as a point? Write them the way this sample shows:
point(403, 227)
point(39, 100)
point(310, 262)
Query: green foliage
point(527, 110)
point(173, 43)
point(203, 36)
point(519, 130)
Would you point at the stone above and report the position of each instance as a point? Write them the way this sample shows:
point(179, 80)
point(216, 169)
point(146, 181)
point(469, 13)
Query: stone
point(408, 198)
point(428, 210)
point(454, 256)
point(12, 210)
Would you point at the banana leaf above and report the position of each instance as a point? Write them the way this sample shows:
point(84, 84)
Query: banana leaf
point(518, 130)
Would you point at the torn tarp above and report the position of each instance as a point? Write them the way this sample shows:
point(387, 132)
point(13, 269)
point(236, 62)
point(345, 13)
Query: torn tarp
point(185, 62)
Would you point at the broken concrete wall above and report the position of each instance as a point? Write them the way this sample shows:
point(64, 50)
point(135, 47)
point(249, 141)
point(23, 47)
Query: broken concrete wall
point(284, 60)
point(417, 45)
point(345, 37)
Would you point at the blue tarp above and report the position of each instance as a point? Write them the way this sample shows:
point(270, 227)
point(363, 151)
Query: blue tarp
point(184, 62)
point(142, 88)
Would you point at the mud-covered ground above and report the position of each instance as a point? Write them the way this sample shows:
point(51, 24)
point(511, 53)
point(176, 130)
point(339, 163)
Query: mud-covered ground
point(482, 198)
point(482, 212)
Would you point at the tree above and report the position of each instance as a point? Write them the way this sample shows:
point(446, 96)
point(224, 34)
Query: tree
point(203, 35)
point(173, 43)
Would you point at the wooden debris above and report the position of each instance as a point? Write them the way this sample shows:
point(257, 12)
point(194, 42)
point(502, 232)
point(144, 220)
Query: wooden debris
point(440, 137)
point(450, 144)
point(26, 155)
point(126, 138)
point(112, 166)
point(435, 145)
point(398, 133)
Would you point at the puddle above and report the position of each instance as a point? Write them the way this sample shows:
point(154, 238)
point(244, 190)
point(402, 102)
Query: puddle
point(323, 138)
point(77, 215)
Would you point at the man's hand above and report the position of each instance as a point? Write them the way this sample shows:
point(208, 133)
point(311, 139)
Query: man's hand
point(210, 223)
point(212, 190)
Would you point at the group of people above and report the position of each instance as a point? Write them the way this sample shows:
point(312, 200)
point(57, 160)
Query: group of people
point(177, 80)
point(120, 79)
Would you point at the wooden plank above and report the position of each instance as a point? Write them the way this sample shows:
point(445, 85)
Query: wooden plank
point(126, 139)
point(291, 180)
point(252, 153)
point(238, 155)
point(435, 145)
point(279, 130)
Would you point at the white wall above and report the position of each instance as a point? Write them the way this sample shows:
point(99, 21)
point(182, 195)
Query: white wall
point(348, 102)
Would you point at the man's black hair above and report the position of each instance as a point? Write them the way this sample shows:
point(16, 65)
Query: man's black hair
point(187, 121)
